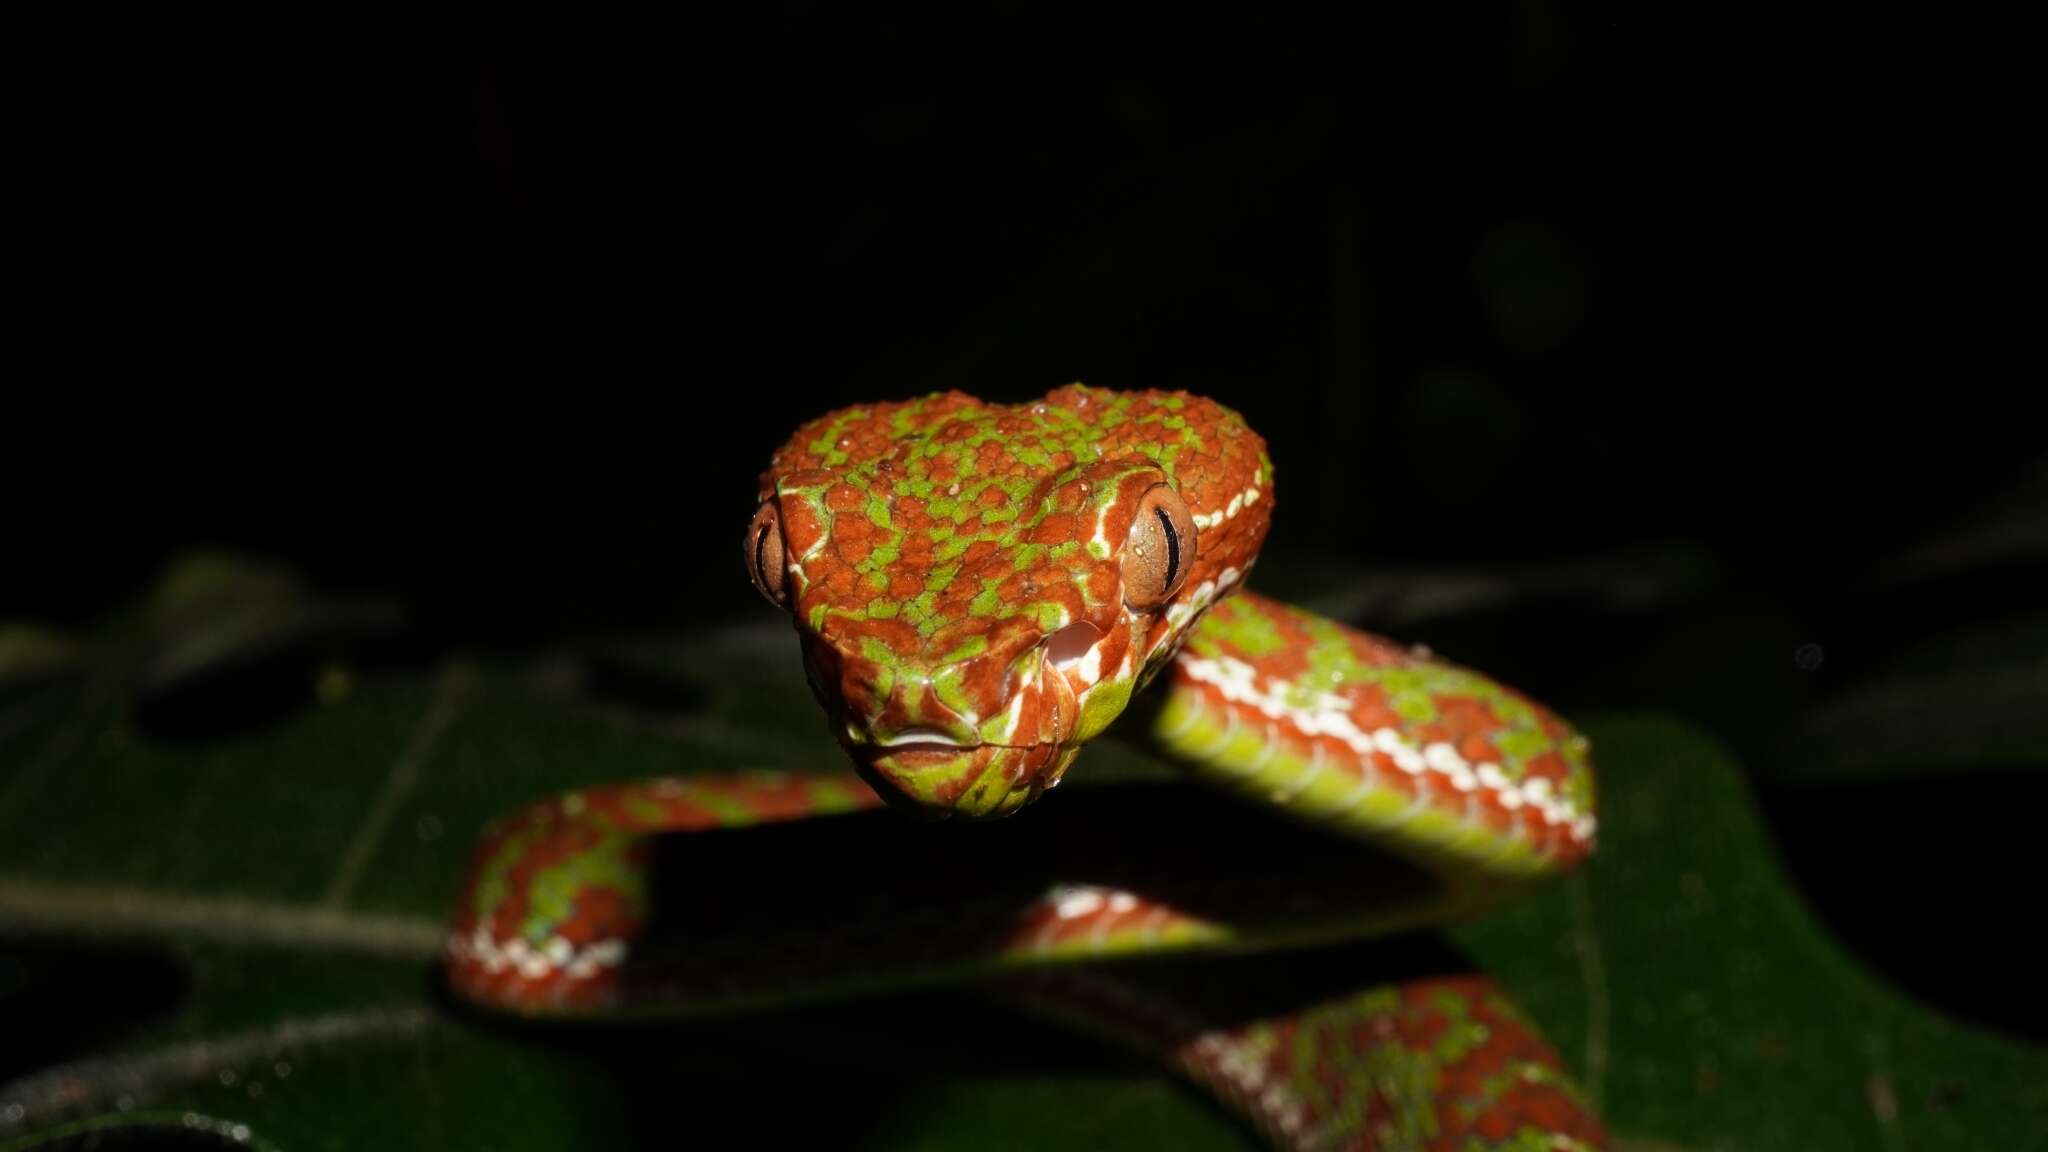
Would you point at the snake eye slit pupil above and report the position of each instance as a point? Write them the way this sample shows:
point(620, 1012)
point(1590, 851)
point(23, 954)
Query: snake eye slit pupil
point(765, 555)
point(1160, 550)
point(1172, 545)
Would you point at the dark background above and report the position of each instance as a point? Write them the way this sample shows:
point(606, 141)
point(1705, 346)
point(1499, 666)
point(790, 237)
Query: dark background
point(501, 318)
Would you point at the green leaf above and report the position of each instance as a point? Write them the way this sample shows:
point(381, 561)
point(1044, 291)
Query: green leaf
point(242, 927)
point(1702, 1005)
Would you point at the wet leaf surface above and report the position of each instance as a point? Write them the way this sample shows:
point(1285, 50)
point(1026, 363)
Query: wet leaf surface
point(236, 934)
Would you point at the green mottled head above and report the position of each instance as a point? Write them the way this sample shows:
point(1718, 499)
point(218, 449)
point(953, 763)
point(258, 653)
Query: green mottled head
point(980, 588)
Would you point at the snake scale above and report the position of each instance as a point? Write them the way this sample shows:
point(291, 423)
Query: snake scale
point(979, 590)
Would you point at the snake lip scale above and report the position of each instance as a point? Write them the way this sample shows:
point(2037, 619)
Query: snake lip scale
point(978, 591)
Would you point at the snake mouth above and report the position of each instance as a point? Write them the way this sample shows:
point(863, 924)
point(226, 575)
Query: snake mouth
point(974, 781)
point(936, 772)
point(915, 749)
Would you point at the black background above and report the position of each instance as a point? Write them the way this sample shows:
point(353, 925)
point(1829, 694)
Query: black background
point(503, 316)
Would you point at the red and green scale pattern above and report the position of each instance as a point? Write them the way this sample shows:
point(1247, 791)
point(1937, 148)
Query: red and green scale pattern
point(1433, 1064)
point(954, 575)
point(557, 897)
point(936, 545)
point(1359, 732)
point(1440, 1064)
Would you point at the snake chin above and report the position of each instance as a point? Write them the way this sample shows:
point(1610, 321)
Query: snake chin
point(935, 780)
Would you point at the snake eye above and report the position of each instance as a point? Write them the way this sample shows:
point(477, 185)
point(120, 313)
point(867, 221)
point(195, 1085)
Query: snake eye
point(765, 555)
point(1160, 550)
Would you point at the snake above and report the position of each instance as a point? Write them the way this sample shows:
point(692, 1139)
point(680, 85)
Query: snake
point(979, 590)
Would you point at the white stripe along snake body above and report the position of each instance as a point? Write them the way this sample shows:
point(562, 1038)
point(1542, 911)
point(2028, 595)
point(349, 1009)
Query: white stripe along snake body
point(979, 590)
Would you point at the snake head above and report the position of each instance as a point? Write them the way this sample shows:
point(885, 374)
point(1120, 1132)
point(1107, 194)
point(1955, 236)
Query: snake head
point(979, 588)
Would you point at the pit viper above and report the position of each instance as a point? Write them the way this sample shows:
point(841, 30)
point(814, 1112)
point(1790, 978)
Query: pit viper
point(978, 591)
